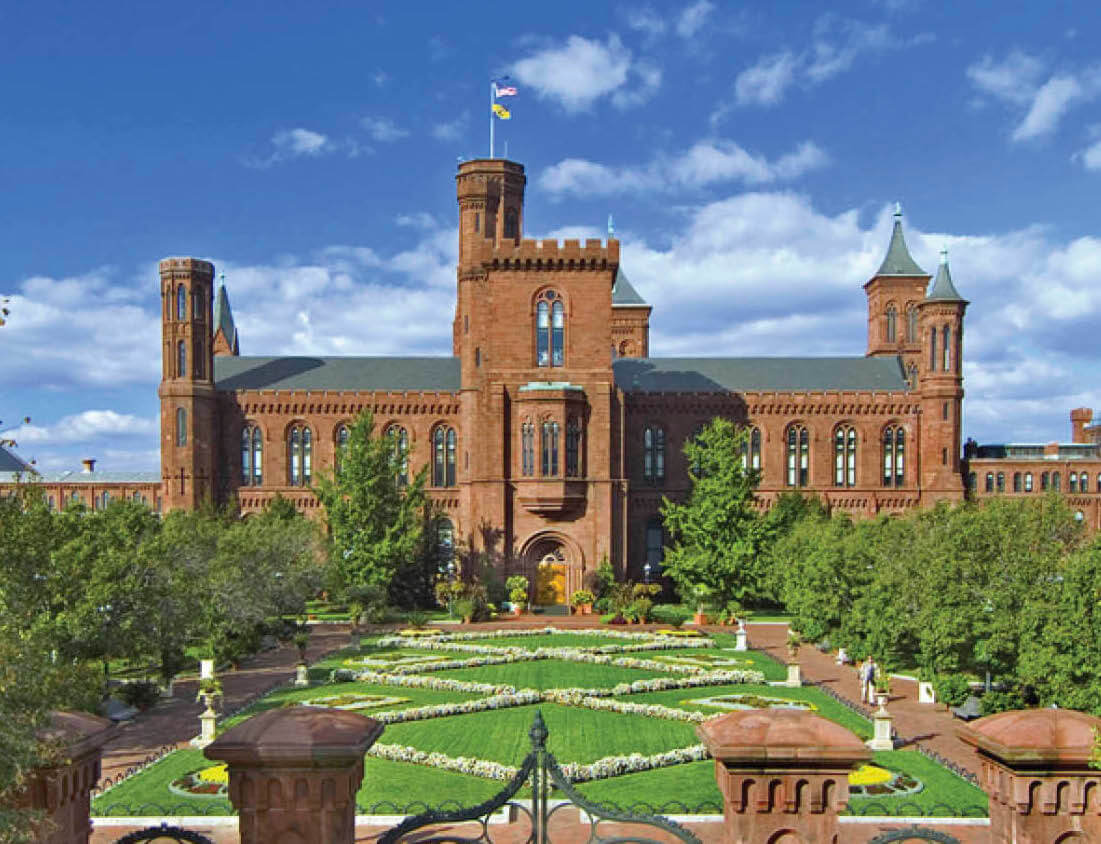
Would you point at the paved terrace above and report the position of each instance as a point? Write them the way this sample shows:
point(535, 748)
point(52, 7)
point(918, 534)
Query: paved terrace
point(175, 723)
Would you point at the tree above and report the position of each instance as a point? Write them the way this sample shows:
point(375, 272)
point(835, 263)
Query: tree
point(717, 533)
point(375, 522)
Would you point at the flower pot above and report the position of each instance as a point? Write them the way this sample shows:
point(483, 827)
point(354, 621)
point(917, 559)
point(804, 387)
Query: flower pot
point(701, 618)
point(881, 698)
point(586, 609)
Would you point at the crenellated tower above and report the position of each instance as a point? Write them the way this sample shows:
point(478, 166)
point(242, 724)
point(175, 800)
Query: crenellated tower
point(188, 405)
point(941, 375)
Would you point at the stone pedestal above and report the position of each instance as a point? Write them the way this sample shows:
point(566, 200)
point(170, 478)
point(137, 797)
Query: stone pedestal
point(1035, 768)
point(882, 723)
point(206, 669)
point(783, 774)
point(302, 674)
point(294, 773)
point(926, 693)
point(208, 723)
point(795, 676)
point(741, 638)
point(63, 792)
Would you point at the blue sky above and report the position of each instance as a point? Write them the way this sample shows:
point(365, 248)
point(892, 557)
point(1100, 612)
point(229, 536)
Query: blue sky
point(750, 154)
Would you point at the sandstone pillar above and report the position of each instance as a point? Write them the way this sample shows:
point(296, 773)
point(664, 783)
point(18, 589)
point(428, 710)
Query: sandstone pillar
point(63, 790)
point(294, 773)
point(1035, 768)
point(783, 774)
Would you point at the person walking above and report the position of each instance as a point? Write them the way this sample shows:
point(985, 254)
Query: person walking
point(868, 684)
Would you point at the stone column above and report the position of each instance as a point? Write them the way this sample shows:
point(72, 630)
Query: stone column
point(63, 791)
point(1035, 768)
point(294, 773)
point(783, 774)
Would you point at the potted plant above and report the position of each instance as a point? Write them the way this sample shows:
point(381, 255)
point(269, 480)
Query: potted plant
point(642, 607)
point(517, 586)
point(210, 689)
point(582, 601)
point(464, 609)
point(302, 641)
point(882, 687)
point(795, 641)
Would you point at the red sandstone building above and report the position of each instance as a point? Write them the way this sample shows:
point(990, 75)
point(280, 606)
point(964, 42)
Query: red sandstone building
point(551, 434)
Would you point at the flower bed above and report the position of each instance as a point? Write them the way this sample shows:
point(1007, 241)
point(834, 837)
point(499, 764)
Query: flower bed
point(354, 701)
point(441, 710)
point(212, 781)
point(679, 633)
point(742, 702)
point(874, 781)
point(647, 710)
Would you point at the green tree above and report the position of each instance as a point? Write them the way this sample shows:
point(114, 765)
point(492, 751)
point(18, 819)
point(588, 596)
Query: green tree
point(376, 523)
point(717, 533)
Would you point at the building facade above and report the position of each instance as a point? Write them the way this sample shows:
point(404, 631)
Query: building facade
point(551, 434)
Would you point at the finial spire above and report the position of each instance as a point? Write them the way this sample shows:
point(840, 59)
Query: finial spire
point(944, 256)
point(898, 210)
point(222, 278)
point(943, 288)
point(898, 260)
point(611, 226)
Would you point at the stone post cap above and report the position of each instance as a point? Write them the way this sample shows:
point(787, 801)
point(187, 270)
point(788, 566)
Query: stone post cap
point(297, 737)
point(781, 737)
point(77, 732)
point(1032, 738)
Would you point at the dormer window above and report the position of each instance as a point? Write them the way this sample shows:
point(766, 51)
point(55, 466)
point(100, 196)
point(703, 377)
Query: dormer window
point(550, 329)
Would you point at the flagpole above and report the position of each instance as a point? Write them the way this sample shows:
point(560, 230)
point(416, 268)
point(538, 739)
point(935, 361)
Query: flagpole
point(492, 100)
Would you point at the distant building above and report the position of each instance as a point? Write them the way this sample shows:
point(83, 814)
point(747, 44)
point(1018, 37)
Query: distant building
point(93, 489)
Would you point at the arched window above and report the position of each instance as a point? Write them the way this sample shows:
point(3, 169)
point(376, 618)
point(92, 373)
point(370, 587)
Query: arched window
point(527, 449)
point(198, 357)
point(197, 304)
point(252, 456)
point(181, 359)
point(445, 543)
point(512, 223)
point(1084, 482)
point(933, 349)
point(989, 481)
point(751, 451)
point(300, 454)
point(550, 330)
point(911, 323)
point(573, 447)
point(549, 448)
point(399, 439)
point(1045, 482)
point(653, 454)
point(798, 456)
point(1001, 481)
point(443, 457)
point(655, 545)
point(181, 303)
point(1016, 481)
point(1056, 482)
point(946, 352)
point(1028, 482)
point(181, 426)
point(894, 456)
point(844, 456)
point(892, 324)
point(340, 443)
point(1072, 482)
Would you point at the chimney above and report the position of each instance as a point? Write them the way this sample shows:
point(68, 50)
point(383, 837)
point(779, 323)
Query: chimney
point(1080, 418)
point(89, 465)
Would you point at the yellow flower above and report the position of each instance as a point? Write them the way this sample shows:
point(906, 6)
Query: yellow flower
point(215, 773)
point(869, 775)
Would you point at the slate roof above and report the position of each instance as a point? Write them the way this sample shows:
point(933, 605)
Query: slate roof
point(898, 260)
point(943, 288)
point(223, 319)
point(10, 463)
point(431, 374)
point(623, 292)
point(98, 477)
point(691, 375)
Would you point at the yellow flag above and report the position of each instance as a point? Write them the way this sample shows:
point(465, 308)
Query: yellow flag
point(501, 111)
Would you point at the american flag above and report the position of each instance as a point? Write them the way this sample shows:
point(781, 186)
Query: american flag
point(505, 90)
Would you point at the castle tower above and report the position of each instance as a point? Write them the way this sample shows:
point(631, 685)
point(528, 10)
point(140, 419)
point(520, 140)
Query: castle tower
point(894, 294)
point(941, 375)
point(225, 330)
point(188, 406)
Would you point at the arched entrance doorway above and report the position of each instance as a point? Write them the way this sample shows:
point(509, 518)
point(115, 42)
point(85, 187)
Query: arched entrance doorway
point(555, 567)
point(550, 578)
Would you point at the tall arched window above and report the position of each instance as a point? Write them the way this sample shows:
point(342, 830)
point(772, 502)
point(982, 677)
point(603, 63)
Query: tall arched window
point(653, 454)
point(1045, 481)
point(181, 359)
point(911, 323)
point(198, 357)
point(549, 448)
point(1001, 481)
point(751, 451)
point(1056, 481)
point(989, 481)
point(892, 324)
point(1084, 482)
point(573, 447)
point(1072, 482)
point(527, 449)
point(300, 455)
point(399, 438)
point(1028, 482)
point(443, 456)
point(1016, 481)
point(445, 543)
point(655, 545)
point(550, 330)
point(933, 349)
point(798, 455)
point(340, 443)
point(181, 303)
point(844, 456)
point(894, 456)
point(197, 304)
point(181, 426)
point(946, 351)
point(252, 456)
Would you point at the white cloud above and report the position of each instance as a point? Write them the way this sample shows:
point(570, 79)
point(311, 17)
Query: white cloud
point(383, 129)
point(705, 163)
point(417, 220)
point(582, 71)
point(451, 130)
point(1091, 156)
point(766, 82)
point(1016, 81)
point(85, 427)
point(693, 18)
point(646, 20)
point(287, 144)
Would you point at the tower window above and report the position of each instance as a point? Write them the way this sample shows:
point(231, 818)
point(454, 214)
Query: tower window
point(181, 359)
point(197, 304)
point(946, 350)
point(911, 323)
point(477, 222)
point(399, 438)
point(181, 426)
point(252, 456)
point(844, 456)
point(181, 303)
point(798, 456)
point(894, 456)
point(300, 454)
point(198, 357)
point(478, 356)
point(932, 350)
point(550, 330)
point(892, 324)
point(527, 449)
point(443, 457)
point(512, 223)
point(573, 447)
point(550, 448)
point(653, 454)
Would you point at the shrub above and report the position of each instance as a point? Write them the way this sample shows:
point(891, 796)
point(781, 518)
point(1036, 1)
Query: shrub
point(341, 675)
point(416, 619)
point(140, 693)
point(602, 605)
point(519, 596)
point(517, 581)
point(993, 702)
point(952, 689)
point(464, 608)
point(582, 596)
point(669, 614)
point(604, 579)
point(641, 608)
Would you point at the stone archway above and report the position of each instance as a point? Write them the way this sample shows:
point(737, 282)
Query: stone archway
point(556, 568)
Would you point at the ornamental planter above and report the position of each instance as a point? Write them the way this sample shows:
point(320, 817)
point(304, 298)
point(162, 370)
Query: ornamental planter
point(926, 694)
point(700, 618)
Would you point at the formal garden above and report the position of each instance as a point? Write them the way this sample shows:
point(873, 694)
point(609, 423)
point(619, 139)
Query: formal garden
point(621, 708)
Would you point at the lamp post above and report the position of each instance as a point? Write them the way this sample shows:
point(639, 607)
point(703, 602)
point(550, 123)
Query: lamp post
point(450, 588)
point(105, 611)
point(646, 573)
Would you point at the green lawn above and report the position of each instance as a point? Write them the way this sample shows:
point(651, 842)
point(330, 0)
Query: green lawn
point(552, 674)
point(553, 640)
point(944, 792)
point(576, 734)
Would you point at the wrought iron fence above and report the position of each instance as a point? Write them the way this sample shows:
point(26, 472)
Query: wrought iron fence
point(110, 782)
point(164, 832)
point(910, 809)
point(153, 809)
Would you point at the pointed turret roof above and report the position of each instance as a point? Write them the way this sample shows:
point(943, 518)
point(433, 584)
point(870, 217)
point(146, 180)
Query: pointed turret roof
point(223, 317)
point(898, 260)
point(943, 288)
point(623, 292)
